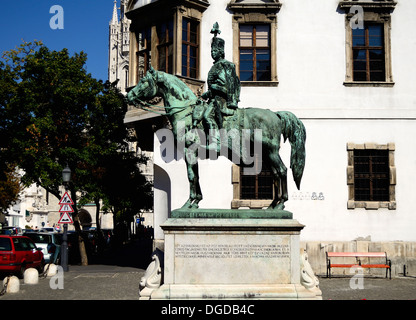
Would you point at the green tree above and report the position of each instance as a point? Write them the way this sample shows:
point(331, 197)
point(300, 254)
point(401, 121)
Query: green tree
point(48, 115)
point(10, 186)
point(57, 115)
point(112, 175)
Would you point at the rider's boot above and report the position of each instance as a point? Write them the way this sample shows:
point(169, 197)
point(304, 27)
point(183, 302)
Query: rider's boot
point(214, 136)
point(215, 144)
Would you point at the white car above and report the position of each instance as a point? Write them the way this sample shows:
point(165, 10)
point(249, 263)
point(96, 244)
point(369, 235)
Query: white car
point(49, 243)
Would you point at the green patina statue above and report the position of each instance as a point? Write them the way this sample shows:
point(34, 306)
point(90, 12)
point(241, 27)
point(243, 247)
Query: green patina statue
point(223, 92)
point(233, 132)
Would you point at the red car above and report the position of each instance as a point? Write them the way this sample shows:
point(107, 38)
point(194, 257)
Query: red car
point(18, 253)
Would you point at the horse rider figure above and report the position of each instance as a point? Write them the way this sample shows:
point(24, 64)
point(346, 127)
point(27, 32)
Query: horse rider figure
point(223, 92)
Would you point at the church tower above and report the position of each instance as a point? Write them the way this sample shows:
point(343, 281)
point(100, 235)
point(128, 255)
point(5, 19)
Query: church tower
point(118, 57)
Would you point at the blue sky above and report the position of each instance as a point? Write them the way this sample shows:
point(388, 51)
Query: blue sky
point(85, 28)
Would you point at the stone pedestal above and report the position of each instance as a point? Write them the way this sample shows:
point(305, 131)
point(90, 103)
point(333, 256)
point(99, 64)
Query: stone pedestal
point(238, 258)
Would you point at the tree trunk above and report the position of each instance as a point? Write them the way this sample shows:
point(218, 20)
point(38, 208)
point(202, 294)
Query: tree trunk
point(82, 250)
point(97, 215)
point(100, 235)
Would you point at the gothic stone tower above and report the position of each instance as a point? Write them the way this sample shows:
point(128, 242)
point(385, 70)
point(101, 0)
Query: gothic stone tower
point(118, 62)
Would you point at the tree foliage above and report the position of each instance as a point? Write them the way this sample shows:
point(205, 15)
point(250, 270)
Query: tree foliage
point(54, 114)
point(10, 186)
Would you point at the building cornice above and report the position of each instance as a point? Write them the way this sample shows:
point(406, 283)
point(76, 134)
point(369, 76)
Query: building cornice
point(384, 5)
point(166, 5)
point(161, 10)
point(240, 6)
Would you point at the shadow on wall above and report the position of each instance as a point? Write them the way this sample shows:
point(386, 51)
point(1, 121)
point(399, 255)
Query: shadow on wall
point(162, 200)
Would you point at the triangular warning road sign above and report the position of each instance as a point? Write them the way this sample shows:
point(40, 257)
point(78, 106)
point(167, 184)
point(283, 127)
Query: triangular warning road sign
point(65, 218)
point(66, 199)
point(66, 208)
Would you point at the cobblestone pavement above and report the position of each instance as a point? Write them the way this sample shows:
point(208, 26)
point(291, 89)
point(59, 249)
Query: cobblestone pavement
point(368, 288)
point(117, 277)
point(107, 282)
point(93, 282)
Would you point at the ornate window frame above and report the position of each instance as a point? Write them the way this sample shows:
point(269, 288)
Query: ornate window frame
point(375, 12)
point(352, 204)
point(237, 202)
point(153, 13)
point(252, 12)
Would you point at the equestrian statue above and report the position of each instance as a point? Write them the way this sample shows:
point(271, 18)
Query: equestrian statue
point(217, 114)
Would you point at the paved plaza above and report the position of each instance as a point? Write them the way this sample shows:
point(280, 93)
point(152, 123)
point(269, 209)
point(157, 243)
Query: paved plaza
point(109, 282)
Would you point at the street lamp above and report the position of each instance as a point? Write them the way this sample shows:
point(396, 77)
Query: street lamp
point(66, 177)
point(66, 174)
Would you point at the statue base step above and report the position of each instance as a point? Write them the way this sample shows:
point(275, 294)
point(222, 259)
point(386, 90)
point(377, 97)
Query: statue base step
point(231, 214)
point(236, 292)
point(237, 258)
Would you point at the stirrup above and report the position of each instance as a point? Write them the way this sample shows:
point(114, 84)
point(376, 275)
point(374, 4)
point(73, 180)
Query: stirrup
point(227, 112)
point(213, 146)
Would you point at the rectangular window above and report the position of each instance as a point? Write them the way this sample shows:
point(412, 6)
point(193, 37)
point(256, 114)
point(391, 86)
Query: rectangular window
point(254, 52)
point(371, 175)
point(368, 43)
point(169, 29)
point(22, 244)
point(144, 45)
point(190, 47)
point(5, 244)
point(256, 187)
point(368, 53)
point(165, 47)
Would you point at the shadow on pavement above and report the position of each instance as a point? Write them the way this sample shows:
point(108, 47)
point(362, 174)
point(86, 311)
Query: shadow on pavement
point(136, 254)
point(368, 288)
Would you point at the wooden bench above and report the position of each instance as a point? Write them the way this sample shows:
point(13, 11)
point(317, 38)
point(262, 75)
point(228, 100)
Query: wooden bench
point(357, 256)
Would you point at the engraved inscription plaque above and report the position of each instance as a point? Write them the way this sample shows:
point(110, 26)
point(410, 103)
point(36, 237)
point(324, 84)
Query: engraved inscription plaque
point(234, 259)
point(236, 251)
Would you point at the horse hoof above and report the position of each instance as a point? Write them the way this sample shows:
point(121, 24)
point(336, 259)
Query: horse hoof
point(280, 206)
point(194, 206)
point(187, 205)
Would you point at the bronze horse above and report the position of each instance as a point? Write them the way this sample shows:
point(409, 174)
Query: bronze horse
point(179, 104)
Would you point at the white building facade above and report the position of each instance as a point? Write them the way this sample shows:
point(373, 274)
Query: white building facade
point(119, 42)
point(36, 208)
point(345, 68)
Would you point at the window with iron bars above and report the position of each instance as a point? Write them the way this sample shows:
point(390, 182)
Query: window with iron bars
point(257, 187)
point(371, 175)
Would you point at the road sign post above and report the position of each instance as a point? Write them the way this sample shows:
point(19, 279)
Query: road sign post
point(65, 210)
point(64, 254)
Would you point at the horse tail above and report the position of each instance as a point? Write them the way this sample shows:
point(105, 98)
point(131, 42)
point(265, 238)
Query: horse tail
point(294, 130)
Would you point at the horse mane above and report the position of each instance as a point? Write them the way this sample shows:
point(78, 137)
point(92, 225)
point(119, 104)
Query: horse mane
point(179, 89)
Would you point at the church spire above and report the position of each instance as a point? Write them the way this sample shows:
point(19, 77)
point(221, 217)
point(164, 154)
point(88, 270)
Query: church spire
point(114, 20)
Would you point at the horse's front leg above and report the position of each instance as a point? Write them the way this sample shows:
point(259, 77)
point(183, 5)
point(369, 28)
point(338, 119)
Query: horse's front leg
point(195, 194)
point(284, 197)
point(277, 191)
point(280, 181)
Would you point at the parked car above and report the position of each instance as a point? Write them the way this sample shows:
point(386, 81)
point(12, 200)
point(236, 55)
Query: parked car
point(107, 234)
point(14, 230)
point(47, 229)
point(74, 256)
point(50, 244)
point(6, 232)
point(18, 253)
